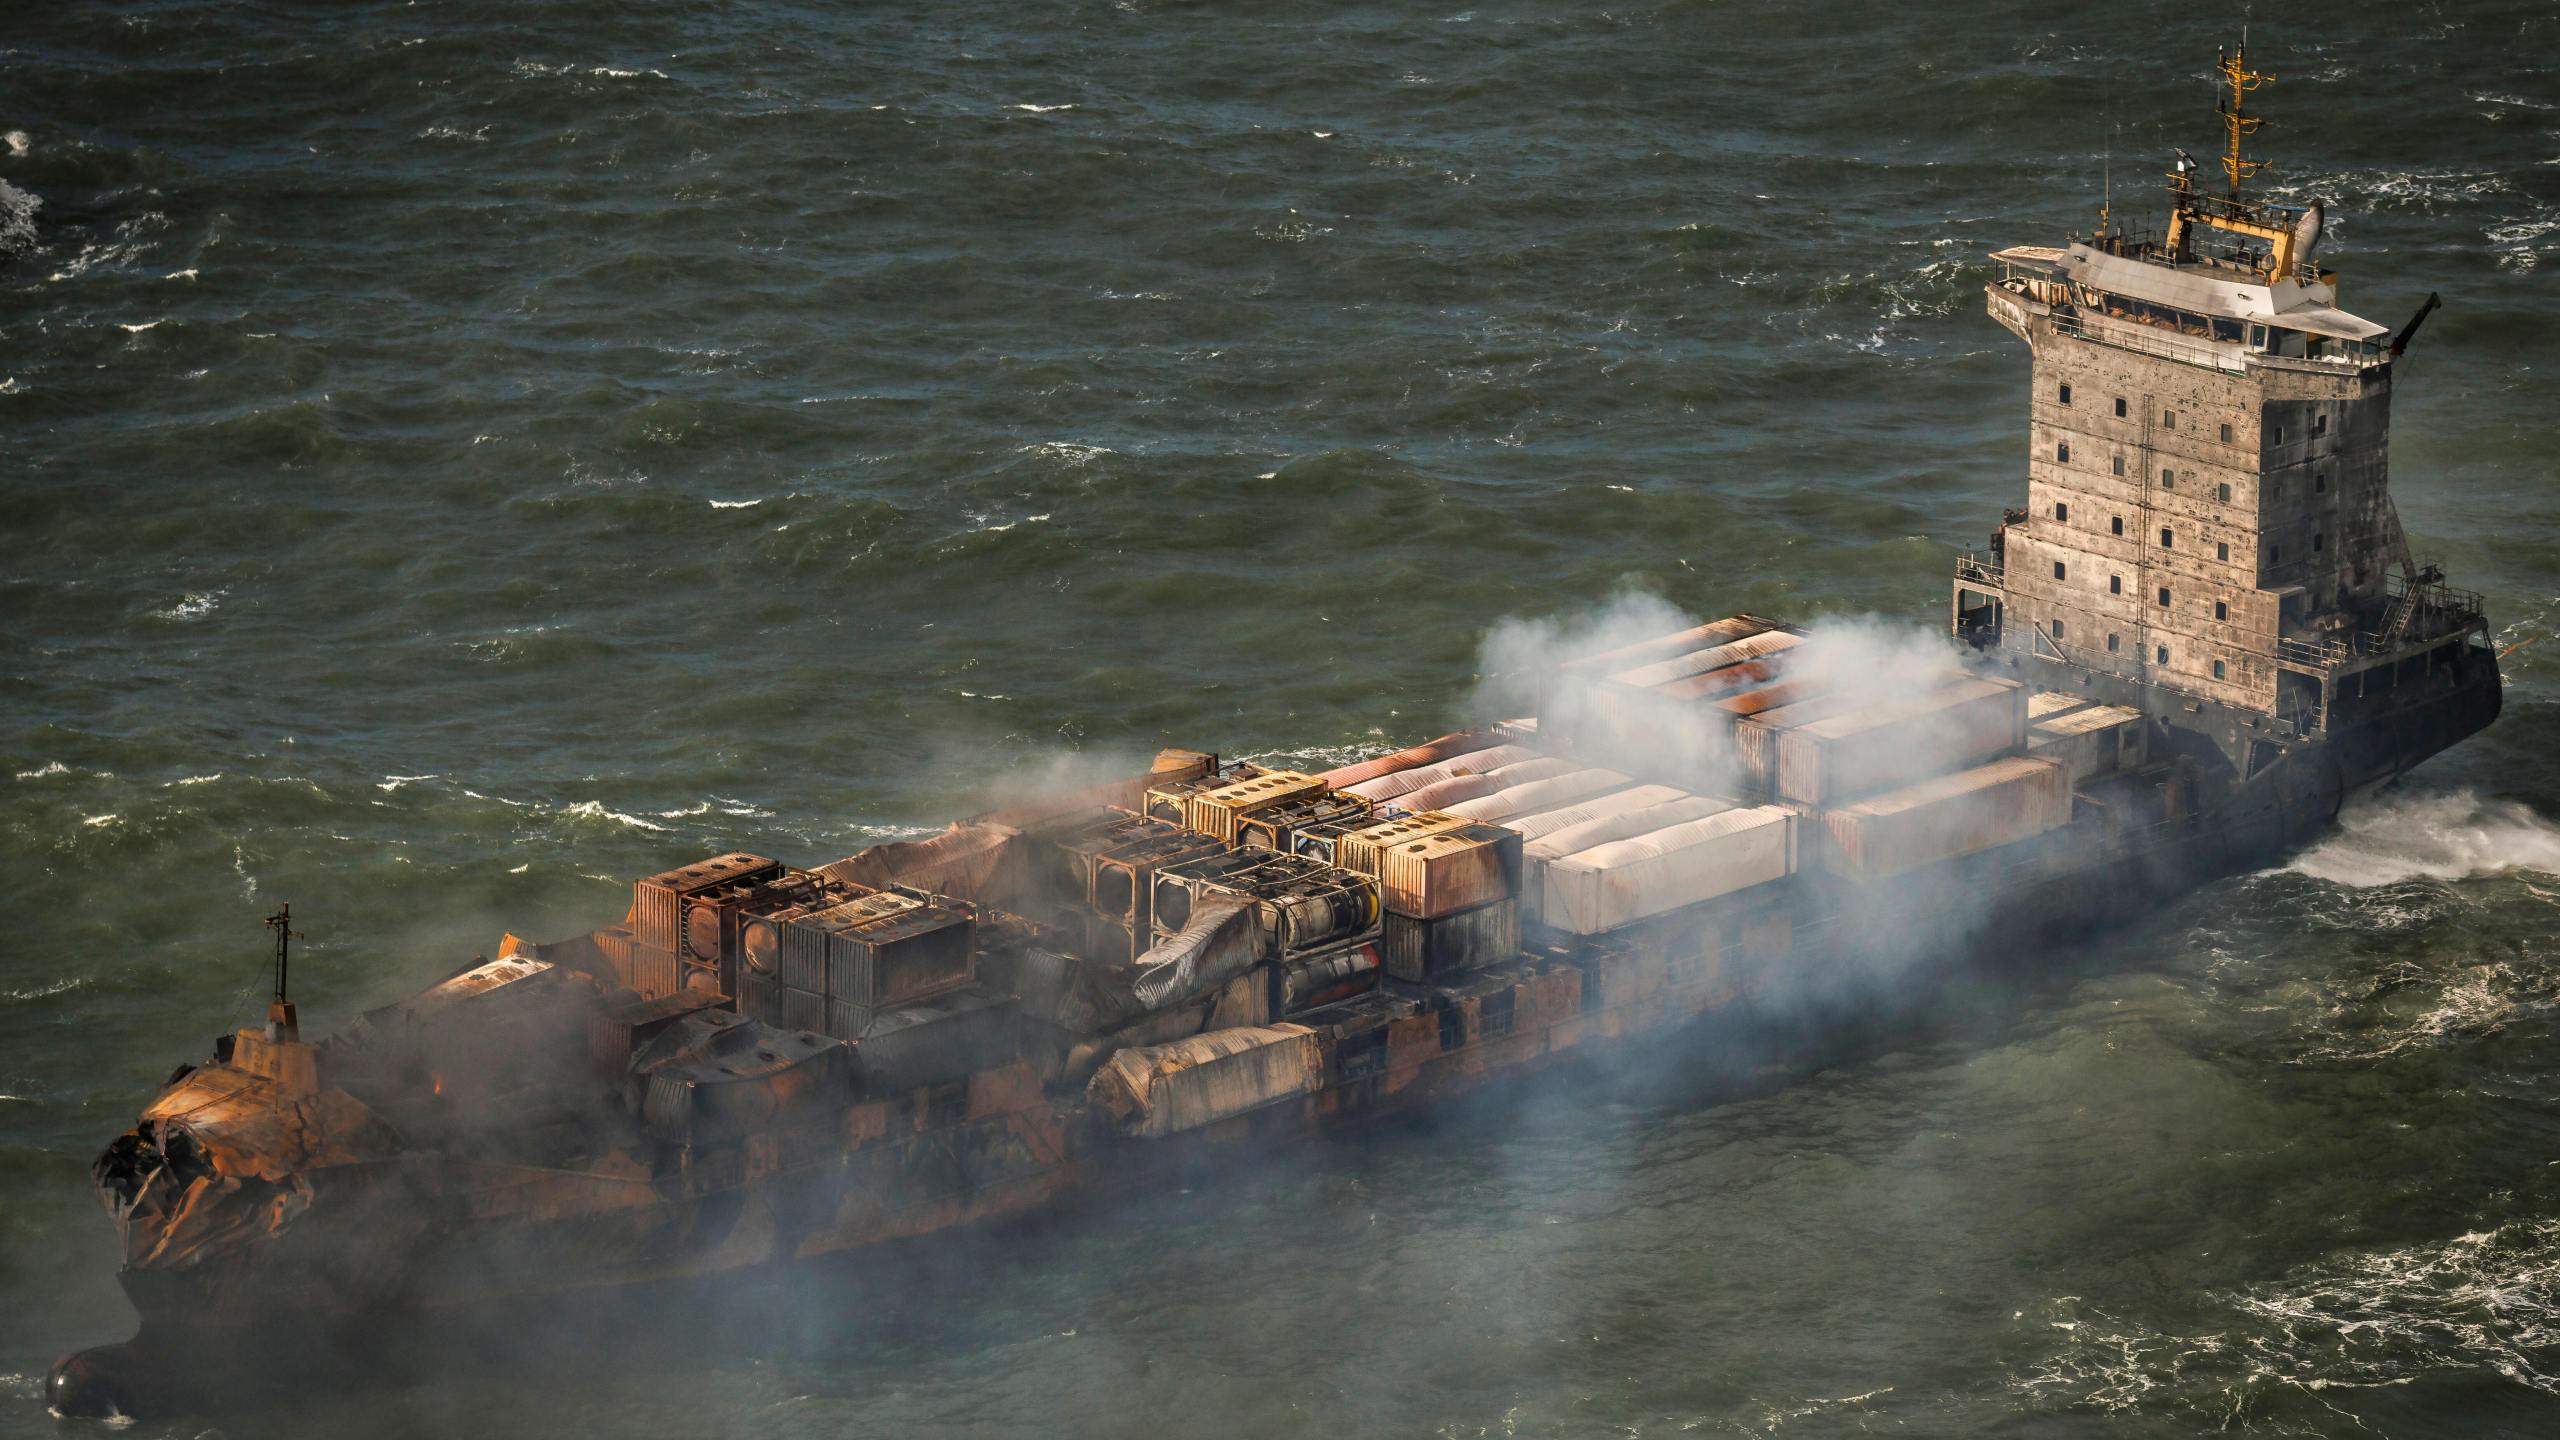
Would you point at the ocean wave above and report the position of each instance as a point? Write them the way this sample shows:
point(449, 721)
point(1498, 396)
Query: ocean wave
point(2431, 835)
point(17, 215)
point(594, 810)
point(194, 606)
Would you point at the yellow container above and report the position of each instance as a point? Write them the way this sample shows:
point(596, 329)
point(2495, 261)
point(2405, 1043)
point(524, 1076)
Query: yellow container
point(1215, 812)
point(1453, 870)
point(1359, 849)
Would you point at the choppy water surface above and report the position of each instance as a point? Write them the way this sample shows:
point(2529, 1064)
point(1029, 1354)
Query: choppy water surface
point(459, 456)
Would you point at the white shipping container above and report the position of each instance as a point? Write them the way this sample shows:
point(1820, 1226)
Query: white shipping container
point(1500, 806)
point(1880, 746)
point(1699, 662)
point(1954, 815)
point(1615, 885)
point(2097, 740)
point(1445, 793)
point(1405, 782)
point(1639, 798)
point(1600, 830)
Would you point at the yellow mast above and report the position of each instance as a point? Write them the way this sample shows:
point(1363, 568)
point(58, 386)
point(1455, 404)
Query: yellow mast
point(2235, 119)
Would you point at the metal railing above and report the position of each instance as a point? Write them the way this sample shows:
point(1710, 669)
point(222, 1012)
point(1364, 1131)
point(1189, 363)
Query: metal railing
point(2203, 354)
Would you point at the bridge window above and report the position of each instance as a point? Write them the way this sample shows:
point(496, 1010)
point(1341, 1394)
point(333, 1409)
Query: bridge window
point(2221, 550)
point(2118, 523)
point(2062, 451)
point(2319, 483)
point(2115, 584)
point(2057, 629)
point(2119, 464)
point(2163, 653)
point(2168, 419)
point(2168, 479)
point(2057, 570)
point(2066, 394)
point(2111, 644)
point(2279, 434)
point(2221, 611)
point(2119, 407)
point(2168, 539)
point(2319, 541)
point(2061, 511)
point(2319, 423)
point(2217, 669)
point(2226, 434)
point(2222, 491)
point(2164, 596)
point(2275, 554)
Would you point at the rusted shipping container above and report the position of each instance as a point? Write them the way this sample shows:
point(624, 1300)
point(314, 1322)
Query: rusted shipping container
point(805, 938)
point(1418, 949)
point(1159, 1090)
point(1902, 830)
point(1360, 849)
point(1430, 752)
point(804, 1010)
point(1452, 870)
point(2091, 741)
point(1500, 806)
point(1564, 695)
point(1879, 747)
point(902, 958)
point(1277, 828)
point(1615, 885)
point(657, 903)
point(1215, 812)
point(932, 1042)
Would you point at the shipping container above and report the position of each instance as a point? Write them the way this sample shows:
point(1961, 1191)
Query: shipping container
point(804, 1010)
point(1900, 741)
point(1158, 1090)
point(1617, 802)
point(1215, 812)
point(1430, 752)
point(1563, 695)
point(900, 958)
point(2048, 704)
point(760, 998)
point(932, 1042)
point(1399, 783)
point(1122, 878)
point(1617, 884)
point(770, 1082)
point(1940, 819)
point(1417, 949)
point(1277, 828)
point(1170, 800)
point(1755, 738)
point(1450, 870)
point(657, 908)
point(1065, 875)
point(1600, 830)
point(805, 937)
point(2091, 741)
point(1700, 662)
point(1359, 849)
point(1327, 977)
point(1502, 805)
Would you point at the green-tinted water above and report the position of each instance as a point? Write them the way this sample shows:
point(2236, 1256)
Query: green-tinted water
point(458, 457)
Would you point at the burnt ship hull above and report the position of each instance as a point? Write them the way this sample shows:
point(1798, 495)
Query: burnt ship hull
point(423, 1245)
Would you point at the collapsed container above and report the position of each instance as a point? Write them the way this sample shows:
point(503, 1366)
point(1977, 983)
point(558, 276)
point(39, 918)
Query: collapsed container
point(1536, 795)
point(1158, 1090)
point(1418, 949)
point(934, 1042)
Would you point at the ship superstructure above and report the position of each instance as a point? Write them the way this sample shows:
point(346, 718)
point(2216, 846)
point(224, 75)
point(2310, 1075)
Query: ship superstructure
point(2202, 634)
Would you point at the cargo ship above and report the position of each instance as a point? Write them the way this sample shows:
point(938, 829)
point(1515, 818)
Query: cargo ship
point(2202, 634)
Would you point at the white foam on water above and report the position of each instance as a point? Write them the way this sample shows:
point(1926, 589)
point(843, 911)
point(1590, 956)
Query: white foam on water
point(735, 504)
point(2433, 835)
point(17, 143)
point(186, 274)
point(194, 606)
point(194, 780)
point(48, 768)
point(592, 810)
point(145, 325)
point(1043, 109)
point(94, 821)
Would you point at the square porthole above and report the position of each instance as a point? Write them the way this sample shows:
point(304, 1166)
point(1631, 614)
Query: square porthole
point(2065, 394)
point(2062, 451)
point(2057, 629)
point(2226, 434)
point(2115, 584)
point(2221, 550)
point(2217, 669)
point(2168, 479)
point(2119, 464)
point(2222, 492)
point(2163, 654)
point(2111, 644)
point(2168, 419)
point(2119, 407)
point(2164, 597)
point(2117, 524)
point(2058, 570)
point(2221, 610)
point(2168, 538)
point(2061, 511)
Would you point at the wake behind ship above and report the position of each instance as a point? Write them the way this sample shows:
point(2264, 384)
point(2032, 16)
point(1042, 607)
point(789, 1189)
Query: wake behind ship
point(2204, 631)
